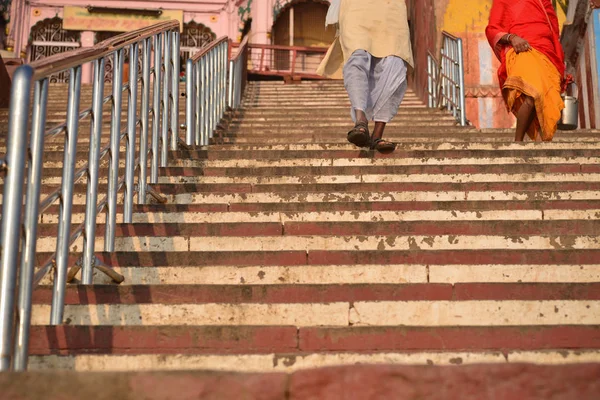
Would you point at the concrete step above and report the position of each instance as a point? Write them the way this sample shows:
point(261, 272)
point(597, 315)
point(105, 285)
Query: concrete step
point(296, 362)
point(438, 313)
point(76, 340)
point(283, 247)
point(474, 380)
point(149, 242)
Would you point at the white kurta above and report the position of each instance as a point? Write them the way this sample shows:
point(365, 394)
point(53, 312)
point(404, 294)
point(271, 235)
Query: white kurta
point(379, 27)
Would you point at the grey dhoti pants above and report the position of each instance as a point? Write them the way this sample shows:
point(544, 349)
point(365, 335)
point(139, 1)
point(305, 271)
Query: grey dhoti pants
point(375, 86)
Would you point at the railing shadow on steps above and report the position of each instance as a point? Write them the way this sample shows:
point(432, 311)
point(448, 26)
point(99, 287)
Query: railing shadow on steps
point(446, 78)
point(158, 123)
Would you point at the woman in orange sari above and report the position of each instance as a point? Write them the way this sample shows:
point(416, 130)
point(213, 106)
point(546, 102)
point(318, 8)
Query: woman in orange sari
point(525, 37)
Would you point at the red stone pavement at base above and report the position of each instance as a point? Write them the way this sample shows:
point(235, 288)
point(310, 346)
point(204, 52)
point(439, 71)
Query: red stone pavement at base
point(475, 382)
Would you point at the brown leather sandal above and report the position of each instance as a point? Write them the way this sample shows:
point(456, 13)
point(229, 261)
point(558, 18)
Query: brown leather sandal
point(383, 146)
point(359, 135)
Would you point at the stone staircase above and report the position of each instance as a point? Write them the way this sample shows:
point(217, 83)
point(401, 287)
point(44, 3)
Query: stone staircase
point(283, 247)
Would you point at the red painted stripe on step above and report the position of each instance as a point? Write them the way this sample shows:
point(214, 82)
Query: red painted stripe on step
point(449, 338)
point(284, 294)
point(386, 187)
point(416, 206)
point(527, 291)
point(373, 170)
point(445, 257)
point(177, 229)
point(161, 339)
point(324, 257)
point(196, 294)
point(197, 229)
point(183, 208)
point(587, 227)
point(224, 153)
point(251, 258)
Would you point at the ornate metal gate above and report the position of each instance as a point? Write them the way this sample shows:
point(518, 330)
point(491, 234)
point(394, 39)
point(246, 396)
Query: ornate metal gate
point(48, 38)
point(194, 37)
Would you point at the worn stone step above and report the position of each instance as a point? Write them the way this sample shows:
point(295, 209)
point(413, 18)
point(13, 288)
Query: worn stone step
point(307, 294)
point(589, 166)
point(204, 167)
point(77, 340)
point(393, 228)
point(336, 314)
point(314, 243)
point(425, 177)
point(260, 201)
point(479, 258)
point(407, 151)
point(398, 137)
point(340, 211)
point(282, 362)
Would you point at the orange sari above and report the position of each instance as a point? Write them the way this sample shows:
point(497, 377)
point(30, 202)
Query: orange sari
point(538, 73)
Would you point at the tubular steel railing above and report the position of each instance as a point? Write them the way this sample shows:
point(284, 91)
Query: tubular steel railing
point(446, 79)
point(238, 75)
point(286, 61)
point(158, 122)
point(206, 90)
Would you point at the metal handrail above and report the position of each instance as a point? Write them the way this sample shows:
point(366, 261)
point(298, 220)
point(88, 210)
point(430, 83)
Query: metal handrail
point(19, 227)
point(238, 75)
point(206, 91)
point(446, 78)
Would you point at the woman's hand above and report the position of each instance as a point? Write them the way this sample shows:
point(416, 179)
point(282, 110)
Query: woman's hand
point(519, 44)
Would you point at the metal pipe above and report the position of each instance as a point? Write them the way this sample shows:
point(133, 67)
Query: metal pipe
point(66, 205)
point(156, 107)
point(145, 120)
point(204, 109)
point(190, 86)
point(166, 102)
point(461, 82)
point(89, 239)
point(115, 146)
point(131, 133)
point(209, 93)
point(175, 91)
point(12, 202)
point(231, 78)
point(30, 223)
point(197, 105)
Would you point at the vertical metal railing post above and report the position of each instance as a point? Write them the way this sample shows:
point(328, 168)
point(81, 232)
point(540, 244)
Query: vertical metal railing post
point(166, 127)
point(66, 201)
point(461, 83)
point(131, 135)
point(190, 91)
point(429, 81)
point(231, 81)
point(91, 202)
point(175, 61)
point(30, 223)
point(454, 79)
point(156, 107)
point(145, 120)
point(12, 203)
point(205, 115)
point(223, 78)
point(115, 149)
point(212, 100)
point(197, 105)
point(225, 64)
